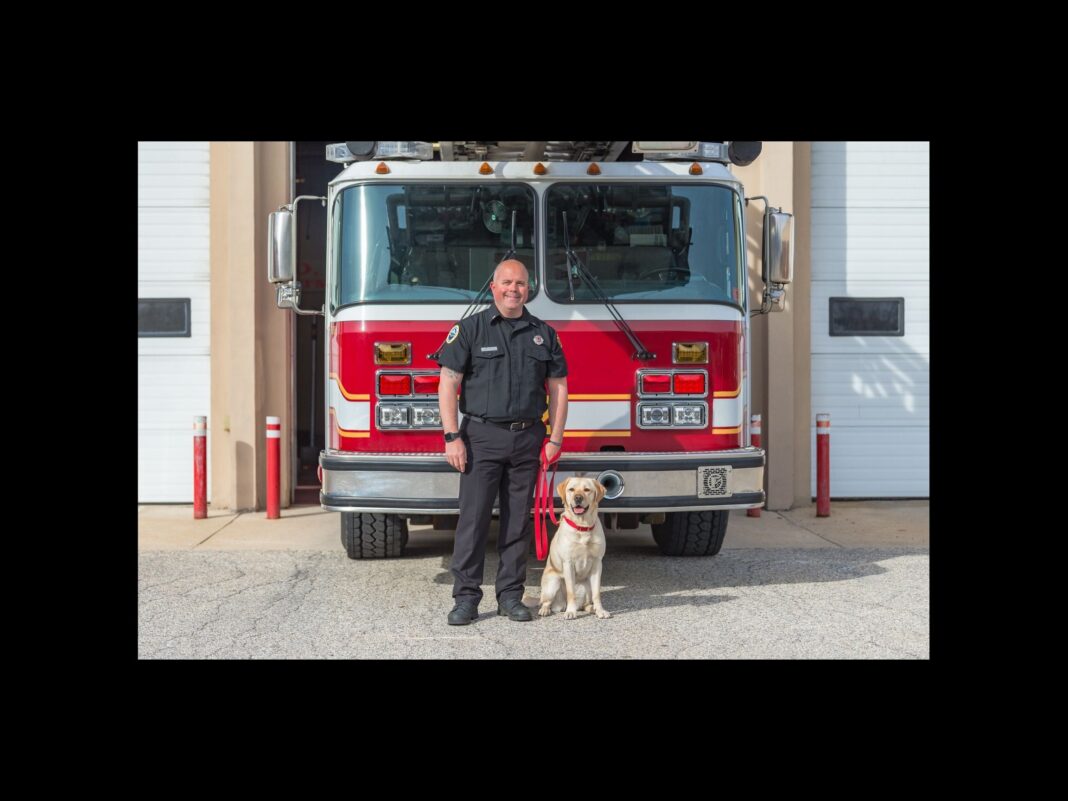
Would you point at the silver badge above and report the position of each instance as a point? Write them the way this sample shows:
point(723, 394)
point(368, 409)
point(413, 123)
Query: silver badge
point(538, 340)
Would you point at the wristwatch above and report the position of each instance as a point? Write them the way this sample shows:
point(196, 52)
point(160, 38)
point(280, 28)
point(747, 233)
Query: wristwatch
point(452, 435)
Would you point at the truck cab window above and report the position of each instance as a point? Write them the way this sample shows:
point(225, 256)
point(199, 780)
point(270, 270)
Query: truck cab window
point(429, 243)
point(645, 242)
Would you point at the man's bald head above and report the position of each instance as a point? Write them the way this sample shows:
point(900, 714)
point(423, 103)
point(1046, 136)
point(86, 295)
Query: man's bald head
point(512, 263)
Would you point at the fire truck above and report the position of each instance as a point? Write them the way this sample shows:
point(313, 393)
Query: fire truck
point(637, 257)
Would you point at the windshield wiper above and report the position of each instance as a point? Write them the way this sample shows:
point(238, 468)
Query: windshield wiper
point(576, 269)
point(478, 301)
point(572, 270)
point(511, 251)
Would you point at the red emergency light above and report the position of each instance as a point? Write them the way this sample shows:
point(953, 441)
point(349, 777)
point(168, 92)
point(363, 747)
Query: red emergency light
point(656, 383)
point(426, 384)
point(689, 383)
point(394, 384)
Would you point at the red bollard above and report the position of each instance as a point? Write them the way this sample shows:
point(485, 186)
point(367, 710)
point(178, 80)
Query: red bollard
point(754, 435)
point(200, 467)
point(274, 445)
point(823, 465)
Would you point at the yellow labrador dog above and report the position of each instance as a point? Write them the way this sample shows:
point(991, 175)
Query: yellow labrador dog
point(573, 570)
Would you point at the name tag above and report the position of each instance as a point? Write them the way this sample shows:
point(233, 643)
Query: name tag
point(486, 349)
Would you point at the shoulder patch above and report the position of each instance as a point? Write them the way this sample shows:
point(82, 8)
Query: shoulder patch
point(453, 333)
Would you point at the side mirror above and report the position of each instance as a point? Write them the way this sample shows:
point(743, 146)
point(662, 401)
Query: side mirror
point(777, 255)
point(280, 256)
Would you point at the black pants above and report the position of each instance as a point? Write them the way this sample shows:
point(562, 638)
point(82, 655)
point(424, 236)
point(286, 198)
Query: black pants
point(498, 462)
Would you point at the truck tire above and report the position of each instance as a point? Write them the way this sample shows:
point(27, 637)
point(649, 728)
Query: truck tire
point(691, 533)
point(373, 536)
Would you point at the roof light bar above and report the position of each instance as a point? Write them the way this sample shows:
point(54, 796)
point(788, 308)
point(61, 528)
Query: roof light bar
point(348, 152)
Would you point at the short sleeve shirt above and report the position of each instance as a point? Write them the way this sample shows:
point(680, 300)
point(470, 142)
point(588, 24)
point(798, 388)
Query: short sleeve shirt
point(504, 364)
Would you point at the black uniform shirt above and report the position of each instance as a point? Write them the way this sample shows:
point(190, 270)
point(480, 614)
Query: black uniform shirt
point(504, 365)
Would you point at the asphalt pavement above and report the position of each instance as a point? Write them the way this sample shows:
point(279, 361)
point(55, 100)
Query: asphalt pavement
point(786, 585)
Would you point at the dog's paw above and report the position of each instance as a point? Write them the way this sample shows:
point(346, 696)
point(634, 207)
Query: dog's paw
point(544, 611)
point(587, 608)
point(571, 614)
point(603, 613)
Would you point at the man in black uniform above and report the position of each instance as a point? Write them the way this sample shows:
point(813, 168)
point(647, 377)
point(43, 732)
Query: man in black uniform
point(501, 359)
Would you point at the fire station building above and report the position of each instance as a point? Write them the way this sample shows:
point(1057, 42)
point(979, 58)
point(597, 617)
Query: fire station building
point(851, 342)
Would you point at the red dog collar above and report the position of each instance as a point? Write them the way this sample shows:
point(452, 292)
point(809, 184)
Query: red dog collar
point(580, 528)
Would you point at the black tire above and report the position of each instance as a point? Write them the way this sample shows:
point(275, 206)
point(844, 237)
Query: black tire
point(373, 536)
point(691, 533)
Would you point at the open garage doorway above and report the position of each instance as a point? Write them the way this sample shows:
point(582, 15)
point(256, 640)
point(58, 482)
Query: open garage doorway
point(311, 175)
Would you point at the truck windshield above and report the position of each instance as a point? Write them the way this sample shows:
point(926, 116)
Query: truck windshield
point(646, 242)
point(428, 243)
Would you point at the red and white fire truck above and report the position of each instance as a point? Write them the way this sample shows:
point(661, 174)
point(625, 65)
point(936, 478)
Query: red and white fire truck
point(637, 257)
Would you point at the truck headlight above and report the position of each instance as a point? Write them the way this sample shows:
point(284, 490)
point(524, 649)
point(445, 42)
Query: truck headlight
point(684, 414)
point(392, 416)
point(426, 416)
point(655, 415)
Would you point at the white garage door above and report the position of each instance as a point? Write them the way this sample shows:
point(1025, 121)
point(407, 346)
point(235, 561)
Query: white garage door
point(870, 314)
point(173, 343)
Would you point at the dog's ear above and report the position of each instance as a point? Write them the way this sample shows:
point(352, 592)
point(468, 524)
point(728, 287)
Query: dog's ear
point(561, 490)
point(600, 490)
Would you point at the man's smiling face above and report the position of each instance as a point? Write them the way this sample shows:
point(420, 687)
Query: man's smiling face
point(510, 288)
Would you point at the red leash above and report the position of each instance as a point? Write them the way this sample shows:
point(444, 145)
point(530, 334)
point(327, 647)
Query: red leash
point(543, 501)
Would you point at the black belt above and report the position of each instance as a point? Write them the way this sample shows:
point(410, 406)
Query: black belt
point(511, 425)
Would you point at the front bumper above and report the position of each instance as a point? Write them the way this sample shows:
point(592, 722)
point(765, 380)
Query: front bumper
point(653, 482)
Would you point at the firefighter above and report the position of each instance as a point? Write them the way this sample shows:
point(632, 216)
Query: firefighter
point(500, 360)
